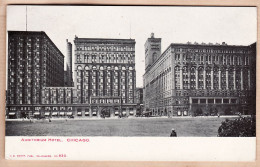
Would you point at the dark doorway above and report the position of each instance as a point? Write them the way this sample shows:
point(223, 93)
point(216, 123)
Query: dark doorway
point(228, 111)
point(105, 112)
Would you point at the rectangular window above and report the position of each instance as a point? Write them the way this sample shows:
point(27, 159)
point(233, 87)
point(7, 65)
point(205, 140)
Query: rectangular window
point(195, 101)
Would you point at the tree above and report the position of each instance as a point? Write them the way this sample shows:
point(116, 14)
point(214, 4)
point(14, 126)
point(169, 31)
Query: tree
point(242, 127)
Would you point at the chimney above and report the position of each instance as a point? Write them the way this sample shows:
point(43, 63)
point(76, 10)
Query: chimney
point(152, 35)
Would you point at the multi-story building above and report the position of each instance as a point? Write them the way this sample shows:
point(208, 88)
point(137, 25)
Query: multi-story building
point(34, 62)
point(104, 76)
point(139, 100)
point(199, 79)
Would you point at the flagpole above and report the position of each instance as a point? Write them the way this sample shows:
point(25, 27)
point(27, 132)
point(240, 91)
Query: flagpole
point(26, 17)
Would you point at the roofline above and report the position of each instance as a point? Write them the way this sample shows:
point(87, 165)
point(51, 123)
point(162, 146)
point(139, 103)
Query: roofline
point(40, 32)
point(208, 45)
point(104, 39)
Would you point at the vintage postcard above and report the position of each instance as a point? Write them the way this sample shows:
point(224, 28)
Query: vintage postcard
point(140, 83)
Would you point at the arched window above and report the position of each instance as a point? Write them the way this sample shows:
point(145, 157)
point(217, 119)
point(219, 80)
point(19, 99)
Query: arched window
point(177, 77)
point(231, 78)
point(201, 78)
point(208, 78)
point(154, 57)
point(216, 78)
point(238, 79)
point(79, 68)
point(223, 79)
point(86, 68)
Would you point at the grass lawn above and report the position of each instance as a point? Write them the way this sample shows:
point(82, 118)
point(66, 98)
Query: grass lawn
point(200, 127)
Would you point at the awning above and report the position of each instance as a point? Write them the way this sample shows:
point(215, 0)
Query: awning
point(11, 113)
point(124, 112)
point(131, 112)
point(36, 113)
point(116, 112)
point(94, 112)
point(55, 113)
point(79, 113)
point(62, 113)
point(87, 113)
point(69, 113)
point(47, 113)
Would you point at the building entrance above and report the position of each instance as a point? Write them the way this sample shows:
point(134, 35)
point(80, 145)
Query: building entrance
point(106, 112)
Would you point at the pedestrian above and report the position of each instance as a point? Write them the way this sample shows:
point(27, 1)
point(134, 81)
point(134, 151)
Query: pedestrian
point(173, 133)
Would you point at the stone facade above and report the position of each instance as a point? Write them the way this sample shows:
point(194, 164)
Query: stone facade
point(104, 75)
point(200, 79)
point(34, 62)
point(104, 82)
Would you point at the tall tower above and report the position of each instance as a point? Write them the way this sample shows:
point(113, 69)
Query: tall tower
point(152, 50)
point(69, 64)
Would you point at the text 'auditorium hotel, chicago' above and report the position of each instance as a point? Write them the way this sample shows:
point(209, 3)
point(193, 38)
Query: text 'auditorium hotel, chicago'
point(101, 81)
point(199, 79)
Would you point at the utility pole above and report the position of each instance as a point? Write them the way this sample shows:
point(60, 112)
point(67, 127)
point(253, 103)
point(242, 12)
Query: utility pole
point(130, 30)
point(26, 18)
point(90, 110)
point(121, 112)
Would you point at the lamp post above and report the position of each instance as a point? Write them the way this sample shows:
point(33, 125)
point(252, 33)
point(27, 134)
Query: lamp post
point(121, 101)
point(90, 110)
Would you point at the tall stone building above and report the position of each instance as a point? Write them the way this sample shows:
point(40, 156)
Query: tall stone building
point(34, 62)
point(199, 79)
point(104, 76)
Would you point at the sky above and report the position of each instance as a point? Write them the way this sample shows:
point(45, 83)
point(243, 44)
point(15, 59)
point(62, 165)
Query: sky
point(233, 25)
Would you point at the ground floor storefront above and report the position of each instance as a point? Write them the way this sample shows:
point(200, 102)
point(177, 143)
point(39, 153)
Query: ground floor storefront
point(70, 111)
point(205, 106)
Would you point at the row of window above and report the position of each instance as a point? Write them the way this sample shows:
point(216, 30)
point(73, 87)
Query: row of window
point(79, 67)
point(105, 48)
point(192, 50)
point(209, 59)
point(108, 59)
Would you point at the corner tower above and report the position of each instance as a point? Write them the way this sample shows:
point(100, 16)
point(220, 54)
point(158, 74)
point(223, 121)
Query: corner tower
point(152, 50)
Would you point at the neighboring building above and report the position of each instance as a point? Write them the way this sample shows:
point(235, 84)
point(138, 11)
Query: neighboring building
point(199, 79)
point(104, 76)
point(139, 101)
point(34, 62)
point(139, 95)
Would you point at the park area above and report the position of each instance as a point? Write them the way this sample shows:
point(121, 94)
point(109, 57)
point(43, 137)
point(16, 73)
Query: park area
point(159, 127)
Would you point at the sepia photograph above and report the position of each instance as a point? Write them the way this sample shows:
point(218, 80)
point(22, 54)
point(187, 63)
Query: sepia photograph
point(131, 71)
